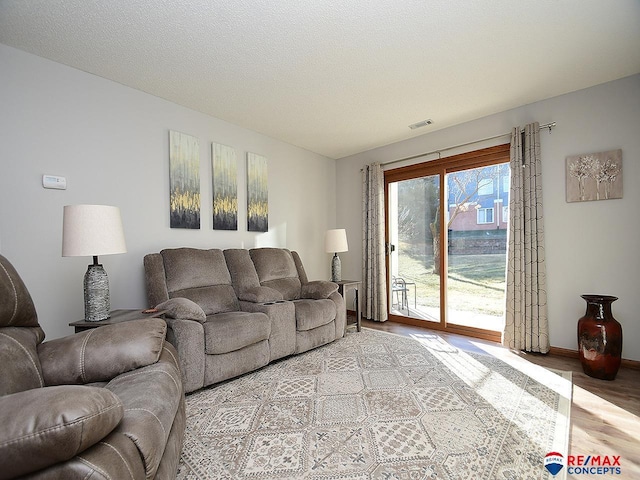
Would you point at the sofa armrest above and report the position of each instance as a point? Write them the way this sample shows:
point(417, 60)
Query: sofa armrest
point(318, 289)
point(187, 337)
point(101, 354)
point(44, 426)
point(260, 295)
point(183, 308)
point(341, 313)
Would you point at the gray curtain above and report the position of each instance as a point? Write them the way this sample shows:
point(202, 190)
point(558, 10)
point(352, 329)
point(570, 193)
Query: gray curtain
point(374, 284)
point(526, 322)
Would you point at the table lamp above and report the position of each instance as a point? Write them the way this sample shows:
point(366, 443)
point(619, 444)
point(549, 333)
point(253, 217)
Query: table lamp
point(92, 230)
point(336, 241)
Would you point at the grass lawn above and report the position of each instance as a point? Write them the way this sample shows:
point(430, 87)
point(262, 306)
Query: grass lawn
point(476, 283)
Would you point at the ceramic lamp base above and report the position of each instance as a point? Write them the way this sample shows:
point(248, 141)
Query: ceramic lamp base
point(336, 268)
point(96, 294)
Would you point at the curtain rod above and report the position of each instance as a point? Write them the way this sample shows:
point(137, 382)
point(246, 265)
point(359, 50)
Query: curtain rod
point(546, 125)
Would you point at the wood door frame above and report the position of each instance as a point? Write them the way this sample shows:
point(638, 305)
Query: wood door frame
point(465, 161)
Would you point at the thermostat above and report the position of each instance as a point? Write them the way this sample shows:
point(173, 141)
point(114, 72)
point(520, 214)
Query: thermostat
point(53, 181)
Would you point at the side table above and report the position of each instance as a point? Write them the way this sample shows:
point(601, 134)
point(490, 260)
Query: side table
point(343, 287)
point(116, 316)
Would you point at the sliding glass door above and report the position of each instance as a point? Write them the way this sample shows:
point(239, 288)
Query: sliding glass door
point(414, 260)
point(477, 222)
point(446, 231)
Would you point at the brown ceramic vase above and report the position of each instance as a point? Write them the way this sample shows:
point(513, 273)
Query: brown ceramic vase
point(599, 338)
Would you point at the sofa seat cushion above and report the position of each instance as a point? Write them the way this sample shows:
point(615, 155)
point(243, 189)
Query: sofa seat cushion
point(151, 397)
point(44, 426)
point(312, 314)
point(113, 457)
point(227, 332)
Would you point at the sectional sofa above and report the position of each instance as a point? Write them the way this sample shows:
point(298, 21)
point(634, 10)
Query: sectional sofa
point(233, 311)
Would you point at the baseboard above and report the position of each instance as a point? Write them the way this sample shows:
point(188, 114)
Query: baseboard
point(494, 337)
point(563, 352)
point(567, 352)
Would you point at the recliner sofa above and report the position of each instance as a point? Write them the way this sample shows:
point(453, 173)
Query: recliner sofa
point(107, 403)
point(234, 311)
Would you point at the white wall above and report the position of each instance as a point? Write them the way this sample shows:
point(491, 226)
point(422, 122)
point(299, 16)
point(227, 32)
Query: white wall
point(591, 247)
point(111, 143)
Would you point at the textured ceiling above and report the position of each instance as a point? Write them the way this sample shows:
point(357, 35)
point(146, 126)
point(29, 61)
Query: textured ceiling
point(337, 77)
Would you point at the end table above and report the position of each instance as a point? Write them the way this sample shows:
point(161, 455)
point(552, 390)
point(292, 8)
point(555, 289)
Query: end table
point(116, 316)
point(343, 287)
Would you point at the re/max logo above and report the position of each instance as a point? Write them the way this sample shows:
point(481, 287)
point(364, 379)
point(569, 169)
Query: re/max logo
point(593, 460)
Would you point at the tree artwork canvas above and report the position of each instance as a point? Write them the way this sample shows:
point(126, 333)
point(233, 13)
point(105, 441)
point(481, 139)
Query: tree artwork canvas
point(184, 181)
point(594, 176)
point(225, 187)
point(257, 194)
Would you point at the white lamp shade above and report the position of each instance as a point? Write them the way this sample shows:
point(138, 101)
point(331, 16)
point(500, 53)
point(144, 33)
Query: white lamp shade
point(91, 230)
point(336, 241)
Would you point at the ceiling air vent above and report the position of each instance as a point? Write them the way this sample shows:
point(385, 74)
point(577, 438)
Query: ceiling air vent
point(421, 124)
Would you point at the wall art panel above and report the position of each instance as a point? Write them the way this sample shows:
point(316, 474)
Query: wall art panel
point(224, 167)
point(257, 193)
point(184, 180)
point(594, 176)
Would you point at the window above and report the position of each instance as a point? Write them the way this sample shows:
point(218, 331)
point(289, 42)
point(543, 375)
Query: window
point(506, 180)
point(485, 215)
point(485, 187)
point(505, 214)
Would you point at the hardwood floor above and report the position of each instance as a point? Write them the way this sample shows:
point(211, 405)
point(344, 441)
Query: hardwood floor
point(605, 416)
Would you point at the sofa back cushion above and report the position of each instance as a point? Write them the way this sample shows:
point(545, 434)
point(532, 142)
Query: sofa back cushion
point(276, 269)
point(212, 300)
point(21, 368)
point(202, 277)
point(20, 334)
point(16, 305)
point(100, 354)
point(192, 268)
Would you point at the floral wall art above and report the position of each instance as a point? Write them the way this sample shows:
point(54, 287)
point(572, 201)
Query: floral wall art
point(184, 181)
point(224, 166)
point(594, 176)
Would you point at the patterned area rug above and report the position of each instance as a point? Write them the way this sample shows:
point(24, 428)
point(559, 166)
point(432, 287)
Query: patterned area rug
point(375, 405)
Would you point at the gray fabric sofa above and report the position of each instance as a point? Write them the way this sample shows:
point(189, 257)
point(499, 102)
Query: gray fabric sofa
point(106, 403)
point(234, 311)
